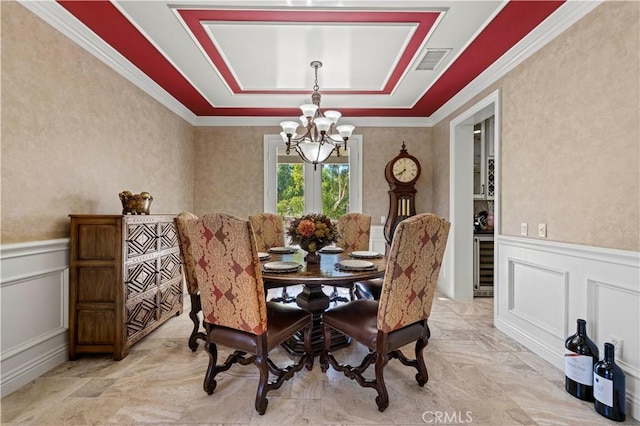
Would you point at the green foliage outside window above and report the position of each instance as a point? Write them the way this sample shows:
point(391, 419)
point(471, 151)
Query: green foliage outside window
point(335, 190)
point(290, 190)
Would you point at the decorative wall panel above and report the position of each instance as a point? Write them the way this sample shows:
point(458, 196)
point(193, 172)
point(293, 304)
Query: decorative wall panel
point(543, 287)
point(34, 278)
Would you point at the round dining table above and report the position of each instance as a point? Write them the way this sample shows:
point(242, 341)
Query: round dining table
point(312, 277)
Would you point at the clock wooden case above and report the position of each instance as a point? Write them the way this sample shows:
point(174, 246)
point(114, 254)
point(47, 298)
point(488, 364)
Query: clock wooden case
point(401, 172)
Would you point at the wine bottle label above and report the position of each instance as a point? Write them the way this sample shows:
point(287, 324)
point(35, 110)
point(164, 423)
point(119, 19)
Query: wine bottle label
point(603, 390)
point(578, 368)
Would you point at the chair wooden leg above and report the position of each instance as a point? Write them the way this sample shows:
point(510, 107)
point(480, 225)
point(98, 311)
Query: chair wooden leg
point(335, 296)
point(265, 366)
point(193, 314)
point(263, 388)
point(209, 377)
point(213, 369)
point(382, 400)
point(422, 377)
point(287, 298)
point(356, 373)
point(284, 297)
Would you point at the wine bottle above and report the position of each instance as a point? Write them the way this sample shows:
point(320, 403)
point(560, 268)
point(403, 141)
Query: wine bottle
point(609, 386)
point(580, 356)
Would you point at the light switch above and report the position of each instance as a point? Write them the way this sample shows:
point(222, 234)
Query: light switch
point(523, 229)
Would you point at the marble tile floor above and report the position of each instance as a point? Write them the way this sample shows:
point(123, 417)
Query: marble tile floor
point(477, 375)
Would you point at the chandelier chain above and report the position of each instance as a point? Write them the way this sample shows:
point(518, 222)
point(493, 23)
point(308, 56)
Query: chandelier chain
point(315, 86)
point(319, 140)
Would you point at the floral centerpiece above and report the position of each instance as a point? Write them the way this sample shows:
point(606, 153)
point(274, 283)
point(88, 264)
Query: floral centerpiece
point(312, 232)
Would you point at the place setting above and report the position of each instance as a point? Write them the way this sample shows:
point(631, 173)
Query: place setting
point(283, 250)
point(365, 254)
point(355, 265)
point(331, 250)
point(281, 267)
point(263, 255)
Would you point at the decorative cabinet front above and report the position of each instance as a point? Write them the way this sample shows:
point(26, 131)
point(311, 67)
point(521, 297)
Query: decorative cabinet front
point(125, 280)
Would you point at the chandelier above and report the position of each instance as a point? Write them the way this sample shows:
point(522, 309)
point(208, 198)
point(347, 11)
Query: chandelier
point(319, 139)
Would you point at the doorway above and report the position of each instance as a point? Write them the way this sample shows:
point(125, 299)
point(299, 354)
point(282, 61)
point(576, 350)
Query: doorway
point(458, 282)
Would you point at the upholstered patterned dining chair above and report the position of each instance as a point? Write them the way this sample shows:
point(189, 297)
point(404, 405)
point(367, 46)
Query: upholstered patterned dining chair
point(181, 222)
point(400, 316)
point(236, 314)
point(269, 232)
point(354, 230)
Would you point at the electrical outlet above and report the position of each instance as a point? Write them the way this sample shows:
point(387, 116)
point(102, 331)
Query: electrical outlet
point(383, 219)
point(542, 230)
point(617, 342)
point(523, 229)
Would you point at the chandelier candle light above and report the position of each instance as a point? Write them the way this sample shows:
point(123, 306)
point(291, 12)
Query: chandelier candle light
point(319, 139)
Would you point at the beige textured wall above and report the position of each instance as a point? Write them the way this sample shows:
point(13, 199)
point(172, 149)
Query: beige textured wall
point(441, 169)
point(229, 172)
point(571, 135)
point(229, 168)
point(75, 134)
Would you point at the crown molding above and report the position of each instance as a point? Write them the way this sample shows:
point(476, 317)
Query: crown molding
point(275, 121)
point(564, 17)
point(56, 16)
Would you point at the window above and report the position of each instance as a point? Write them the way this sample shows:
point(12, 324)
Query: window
point(293, 188)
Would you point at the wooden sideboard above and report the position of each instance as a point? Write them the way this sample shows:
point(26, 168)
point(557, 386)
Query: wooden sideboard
point(125, 280)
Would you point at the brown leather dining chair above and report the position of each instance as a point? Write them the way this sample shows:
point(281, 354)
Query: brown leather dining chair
point(354, 230)
point(236, 314)
point(369, 289)
point(400, 316)
point(269, 232)
point(182, 230)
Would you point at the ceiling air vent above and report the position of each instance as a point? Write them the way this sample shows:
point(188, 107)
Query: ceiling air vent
point(432, 59)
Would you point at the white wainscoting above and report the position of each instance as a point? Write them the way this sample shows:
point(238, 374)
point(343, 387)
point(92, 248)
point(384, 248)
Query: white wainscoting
point(543, 287)
point(376, 239)
point(34, 294)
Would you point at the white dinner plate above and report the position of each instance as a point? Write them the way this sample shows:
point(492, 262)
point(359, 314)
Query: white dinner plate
point(365, 254)
point(282, 250)
point(332, 249)
point(282, 266)
point(355, 265)
point(263, 256)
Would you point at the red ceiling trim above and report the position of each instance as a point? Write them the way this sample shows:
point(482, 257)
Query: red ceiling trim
point(104, 19)
point(194, 19)
point(513, 22)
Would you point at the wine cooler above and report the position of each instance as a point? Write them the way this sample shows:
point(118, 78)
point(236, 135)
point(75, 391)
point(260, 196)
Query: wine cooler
point(483, 266)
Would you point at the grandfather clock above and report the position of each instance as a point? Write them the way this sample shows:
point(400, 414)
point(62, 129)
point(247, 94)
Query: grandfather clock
point(401, 172)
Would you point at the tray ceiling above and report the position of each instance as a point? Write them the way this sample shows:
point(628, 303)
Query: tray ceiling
point(233, 59)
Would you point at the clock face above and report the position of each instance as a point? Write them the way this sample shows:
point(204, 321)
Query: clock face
point(405, 169)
